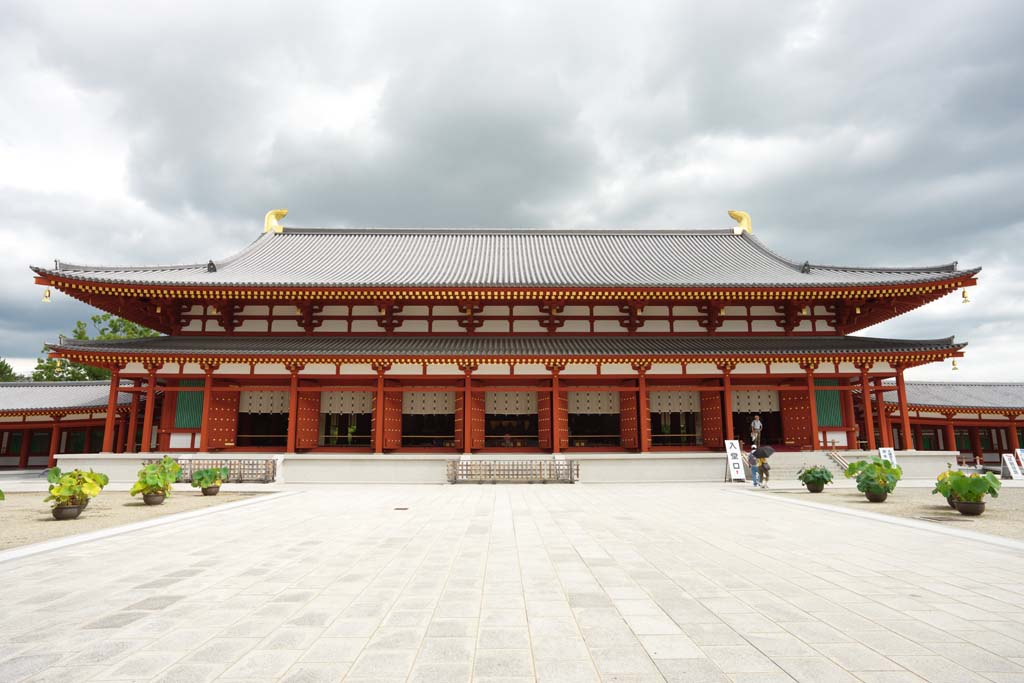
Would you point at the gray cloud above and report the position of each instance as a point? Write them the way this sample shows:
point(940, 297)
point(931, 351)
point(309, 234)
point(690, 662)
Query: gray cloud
point(859, 133)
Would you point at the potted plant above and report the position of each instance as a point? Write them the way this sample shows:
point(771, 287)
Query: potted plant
point(54, 475)
point(815, 477)
point(944, 486)
point(876, 478)
point(69, 494)
point(155, 480)
point(209, 480)
point(970, 491)
point(1, 494)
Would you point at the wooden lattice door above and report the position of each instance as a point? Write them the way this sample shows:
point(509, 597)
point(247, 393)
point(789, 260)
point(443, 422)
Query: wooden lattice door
point(478, 417)
point(543, 419)
point(460, 419)
point(796, 422)
point(629, 433)
point(392, 419)
point(562, 416)
point(711, 419)
point(223, 427)
point(308, 420)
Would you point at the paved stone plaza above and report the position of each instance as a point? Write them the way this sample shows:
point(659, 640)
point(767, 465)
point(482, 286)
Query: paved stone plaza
point(558, 583)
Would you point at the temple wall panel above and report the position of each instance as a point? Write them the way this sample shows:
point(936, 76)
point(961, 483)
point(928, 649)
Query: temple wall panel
point(405, 369)
point(607, 310)
point(786, 368)
point(687, 326)
point(764, 326)
point(575, 327)
point(255, 309)
point(416, 310)
point(413, 326)
point(493, 327)
point(665, 369)
point(333, 326)
point(656, 310)
point(848, 367)
point(608, 326)
point(447, 310)
point(702, 369)
point(525, 310)
point(334, 310)
point(960, 416)
point(12, 418)
point(820, 310)
point(925, 413)
point(581, 369)
point(501, 311)
point(531, 369)
point(193, 326)
point(527, 326)
point(493, 369)
point(366, 326)
point(733, 326)
point(443, 369)
point(318, 369)
point(749, 369)
point(883, 367)
point(283, 325)
point(365, 310)
point(995, 416)
point(283, 310)
point(252, 326)
point(738, 311)
point(617, 369)
point(271, 369)
point(757, 401)
point(85, 416)
point(233, 369)
point(804, 326)
point(575, 310)
point(447, 326)
point(763, 310)
point(685, 311)
point(659, 326)
point(213, 325)
point(134, 368)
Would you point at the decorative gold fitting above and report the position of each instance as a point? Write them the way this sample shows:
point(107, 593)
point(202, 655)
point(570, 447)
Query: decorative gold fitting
point(159, 308)
point(742, 219)
point(965, 299)
point(857, 310)
point(806, 310)
point(271, 220)
point(955, 368)
point(46, 295)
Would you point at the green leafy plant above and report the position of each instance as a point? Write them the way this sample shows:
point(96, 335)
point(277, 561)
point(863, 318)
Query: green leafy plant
point(2, 497)
point(815, 474)
point(943, 485)
point(72, 488)
point(874, 475)
point(90, 483)
point(974, 487)
point(213, 476)
point(156, 478)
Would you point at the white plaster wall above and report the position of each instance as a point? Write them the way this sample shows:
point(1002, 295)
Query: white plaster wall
point(333, 326)
point(193, 326)
point(493, 326)
point(607, 310)
point(575, 327)
point(413, 326)
point(733, 326)
point(608, 326)
point(447, 310)
point(685, 310)
point(657, 326)
point(528, 326)
point(443, 369)
point(617, 369)
point(252, 326)
point(576, 310)
point(447, 326)
point(365, 310)
point(318, 369)
point(255, 309)
point(665, 369)
point(405, 369)
point(525, 310)
point(134, 368)
point(494, 310)
point(786, 368)
point(233, 369)
point(283, 325)
point(271, 369)
point(749, 369)
point(357, 369)
point(493, 369)
point(334, 310)
point(578, 369)
point(687, 326)
point(416, 310)
point(366, 326)
point(656, 310)
point(531, 369)
point(764, 326)
point(702, 369)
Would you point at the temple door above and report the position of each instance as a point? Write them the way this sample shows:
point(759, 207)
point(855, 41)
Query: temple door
point(796, 417)
point(477, 414)
point(308, 420)
point(223, 420)
point(711, 418)
point(460, 419)
point(392, 419)
point(562, 415)
point(544, 419)
point(629, 427)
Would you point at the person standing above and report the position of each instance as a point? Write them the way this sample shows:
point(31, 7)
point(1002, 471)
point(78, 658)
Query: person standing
point(755, 431)
point(752, 461)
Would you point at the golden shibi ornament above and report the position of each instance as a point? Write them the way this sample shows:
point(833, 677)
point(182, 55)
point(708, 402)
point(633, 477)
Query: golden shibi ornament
point(955, 368)
point(965, 298)
point(46, 295)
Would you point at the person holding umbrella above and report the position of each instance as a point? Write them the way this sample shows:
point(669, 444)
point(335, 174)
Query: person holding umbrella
point(752, 461)
point(761, 455)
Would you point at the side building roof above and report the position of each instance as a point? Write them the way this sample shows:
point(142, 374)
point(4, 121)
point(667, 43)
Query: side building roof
point(300, 257)
point(44, 397)
point(979, 395)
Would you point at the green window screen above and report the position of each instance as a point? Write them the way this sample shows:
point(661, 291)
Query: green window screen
point(13, 443)
point(75, 442)
point(40, 443)
point(830, 411)
point(189, 411)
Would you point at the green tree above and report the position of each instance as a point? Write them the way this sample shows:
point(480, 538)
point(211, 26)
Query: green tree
point(7, 373)
point(105, 326)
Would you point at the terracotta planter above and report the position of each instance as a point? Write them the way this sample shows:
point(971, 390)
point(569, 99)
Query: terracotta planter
point(210, 490)
point(970, 509)
point(876, 497)
point(153, 498)
point(66, 511)
point(815, 486)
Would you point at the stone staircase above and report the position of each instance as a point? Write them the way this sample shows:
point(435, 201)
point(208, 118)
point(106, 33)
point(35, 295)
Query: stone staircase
point(785, 465)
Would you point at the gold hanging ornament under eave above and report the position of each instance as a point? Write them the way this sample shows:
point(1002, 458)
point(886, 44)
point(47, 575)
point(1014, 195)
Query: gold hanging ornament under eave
point(965, 299)
point(955, 368)
point(46, 295)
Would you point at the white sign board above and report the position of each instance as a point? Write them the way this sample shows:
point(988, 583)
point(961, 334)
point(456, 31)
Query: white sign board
point(887, 454)
point(1011, 466)
point(734, 461)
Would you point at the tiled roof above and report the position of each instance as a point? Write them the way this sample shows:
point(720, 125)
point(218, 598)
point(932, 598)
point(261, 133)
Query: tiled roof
point(963, 394)
point(467, 346)
point(44, 396)
point(511, 258)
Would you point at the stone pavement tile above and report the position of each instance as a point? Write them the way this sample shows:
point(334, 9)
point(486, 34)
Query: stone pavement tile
point(252, 628)
point(457, 608)
point(223, 650)
point(140, 665)
point(725, 605)
point(548, 608)
point(502, 617)
point(334, 650)
point(502, 664)
point(407, 618)
point(975, 658)
point(751, 623)
point(920, 632)
point(848, 622)
point(17, 668)
point(554, 627)
point(504, 638)
point(644, 606)
point(383, 664)
point(352, 628)
point(452, 628)
point(857, 657)
point(781, 645)
point(561, 648)
point(778, 676)
point(99, 653)
point(306, 672)
point(1001, 644)
point(623, 661)
point(64, 674)
point(262, 664)
point(450, 650)
point(889, 643)
point(814, 670)
point(155, 602)
point(713, 634)
point(116, 620)
point(627, 592)
point(190, 672)
point(406, 638)
point(936, 669)
point(691, 671)
point(652, 625)
point(739, 659)
point(815, 632)
point(676, 646)
point(608, 636)
point(290, 638)
point(312, 617)
point(186, 639)
point(555, 671)
point(440, 672)
point(901, 676)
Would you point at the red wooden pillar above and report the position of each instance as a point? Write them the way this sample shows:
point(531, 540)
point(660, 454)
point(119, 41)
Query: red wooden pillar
point(556, 428)
point(812, 404)
point(293, 407)
point(147, 418)
point(119, 439)
point(467, 410)
point(26, 437)
point(204, 425)
point(884, 431)
point(918, 436)
point(109, 423)
point(133, 419)
point(1014, 441)
point(87, 440)
point(979, 454)
point(644, 416)
point(729, 432)
point(865, 392)
point(901, 395)
point(54, 441)
point(950, 433)
point(378, 407)
point(849, 418)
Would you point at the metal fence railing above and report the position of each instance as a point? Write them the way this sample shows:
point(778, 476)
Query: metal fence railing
point(517, 471)
point(252, 470)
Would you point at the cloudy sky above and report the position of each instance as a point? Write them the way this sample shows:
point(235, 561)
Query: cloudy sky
point(862, 133)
